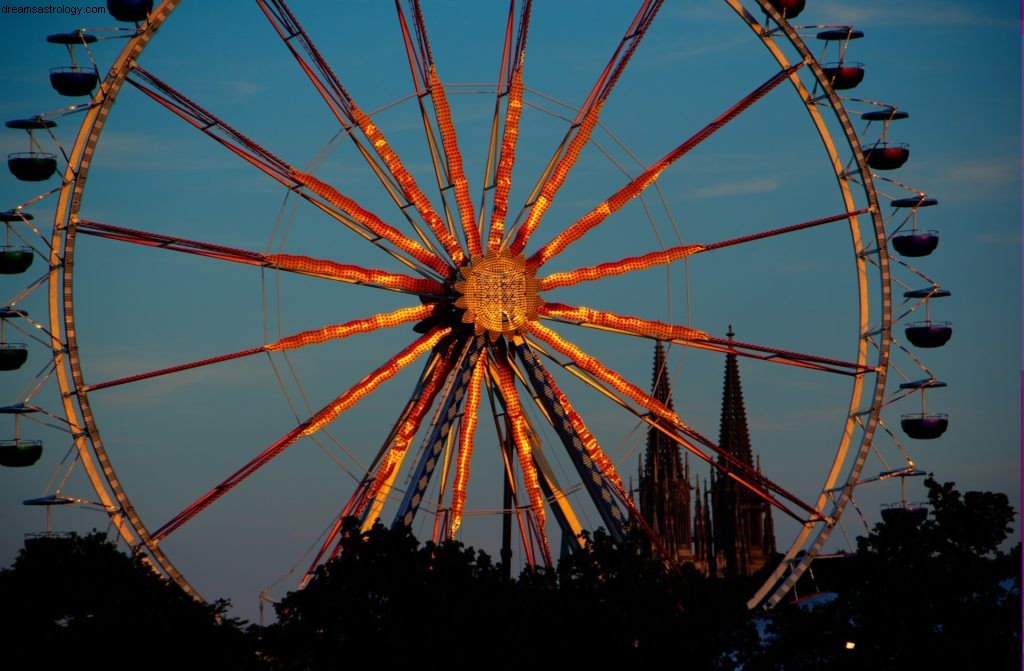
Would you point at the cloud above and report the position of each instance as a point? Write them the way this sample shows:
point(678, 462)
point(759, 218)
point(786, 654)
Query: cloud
point(244, 88)
point(1000, 238)
point(723, 189)
point(996, 171)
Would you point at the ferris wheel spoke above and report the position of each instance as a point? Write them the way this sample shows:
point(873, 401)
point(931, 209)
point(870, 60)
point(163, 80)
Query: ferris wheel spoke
point(686, 437)
point(676, 253)
point(311, 337)
point(689, 337)
point(521, 438)
point(437, 435)
point(368, 507)
point(386, 166)
point(343, 209)
point(447, 160)
point(596, 470)
point(302, 265)
point(512, 74)
point(470, 417)
point(649, 176)
point(591, 365)
point(325, 416)
point(369, 496)
point(583, 125)
point(623, 324)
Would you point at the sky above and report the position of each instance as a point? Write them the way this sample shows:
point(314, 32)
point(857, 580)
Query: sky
point(954, 68)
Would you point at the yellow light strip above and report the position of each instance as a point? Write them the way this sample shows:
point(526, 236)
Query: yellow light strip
point(520, 435)
point(355, 274)
point(470, 416)
point(384, 479)
point(338, 331)
point(590, 444)
point(622, 266)
point(613, 204)
point(591, 365)
point(643, 327)
point(503, 181)
point(451, 150)
point(409, 186)
point(557, 178)
point(369, 384)
point(371, 221)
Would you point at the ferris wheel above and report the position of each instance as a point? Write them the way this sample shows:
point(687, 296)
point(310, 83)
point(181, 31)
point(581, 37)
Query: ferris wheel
point(433, 242)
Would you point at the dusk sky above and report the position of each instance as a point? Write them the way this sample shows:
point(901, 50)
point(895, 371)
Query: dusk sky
point(955, 68)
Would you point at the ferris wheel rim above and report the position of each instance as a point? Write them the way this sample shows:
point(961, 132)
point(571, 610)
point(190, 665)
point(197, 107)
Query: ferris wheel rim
point(74, 387)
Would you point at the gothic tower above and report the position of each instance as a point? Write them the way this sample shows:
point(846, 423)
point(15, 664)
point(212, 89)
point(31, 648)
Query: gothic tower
point(743, 535)
point(664, 488)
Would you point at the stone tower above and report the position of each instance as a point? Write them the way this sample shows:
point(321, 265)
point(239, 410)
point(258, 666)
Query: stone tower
point(665, 491)
point(743, 535)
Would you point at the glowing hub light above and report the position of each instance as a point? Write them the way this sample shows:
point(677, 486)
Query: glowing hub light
point(499, 293)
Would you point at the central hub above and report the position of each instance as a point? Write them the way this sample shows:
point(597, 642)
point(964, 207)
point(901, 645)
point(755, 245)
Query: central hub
point(498, 292)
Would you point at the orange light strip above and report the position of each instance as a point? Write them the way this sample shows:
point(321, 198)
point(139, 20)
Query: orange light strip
point(557, 178)
point(338, 331)
point(622, 266)
point(345, 272)
point(590, 444)
point(602, 211)
point(369, 384)
point(643, 327)
point(509, 141)
point(520, 435)
point(591, 365)
point(470, 415)
point(458, 173)
point(385, 476)
point(409, 186)
point(371, 221)
point(649, 176)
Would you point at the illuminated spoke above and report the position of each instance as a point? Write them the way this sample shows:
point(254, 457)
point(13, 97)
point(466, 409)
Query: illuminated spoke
point(512, 74)
point(364, 223)
point(349, 114)
point(339, 331)
point(627, 265)
point(591, 365)
point(582, 127)
point(409, 187)
point(448, 167)
point(589, 443)
point(634, 325)
point(406, 429)
point(521, 438)
point(328, 414)
point(371, 222)
point(637, 186)
point(503, 179)
point(470, 415)
point(727, 463)
point(688, 337)
point(302, 265)
point(311, 337)
point(672, 254)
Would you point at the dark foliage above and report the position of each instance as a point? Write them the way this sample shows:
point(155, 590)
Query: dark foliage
point(384, 598)
point(78, 601)
point(937, 594)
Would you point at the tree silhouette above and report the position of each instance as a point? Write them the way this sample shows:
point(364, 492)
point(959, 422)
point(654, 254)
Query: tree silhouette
point(73, 600)
point(937, 593)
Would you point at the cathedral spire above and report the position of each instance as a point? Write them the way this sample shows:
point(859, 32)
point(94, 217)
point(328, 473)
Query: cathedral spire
point(733, 436)
point(743, 535)
point(664, 485)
